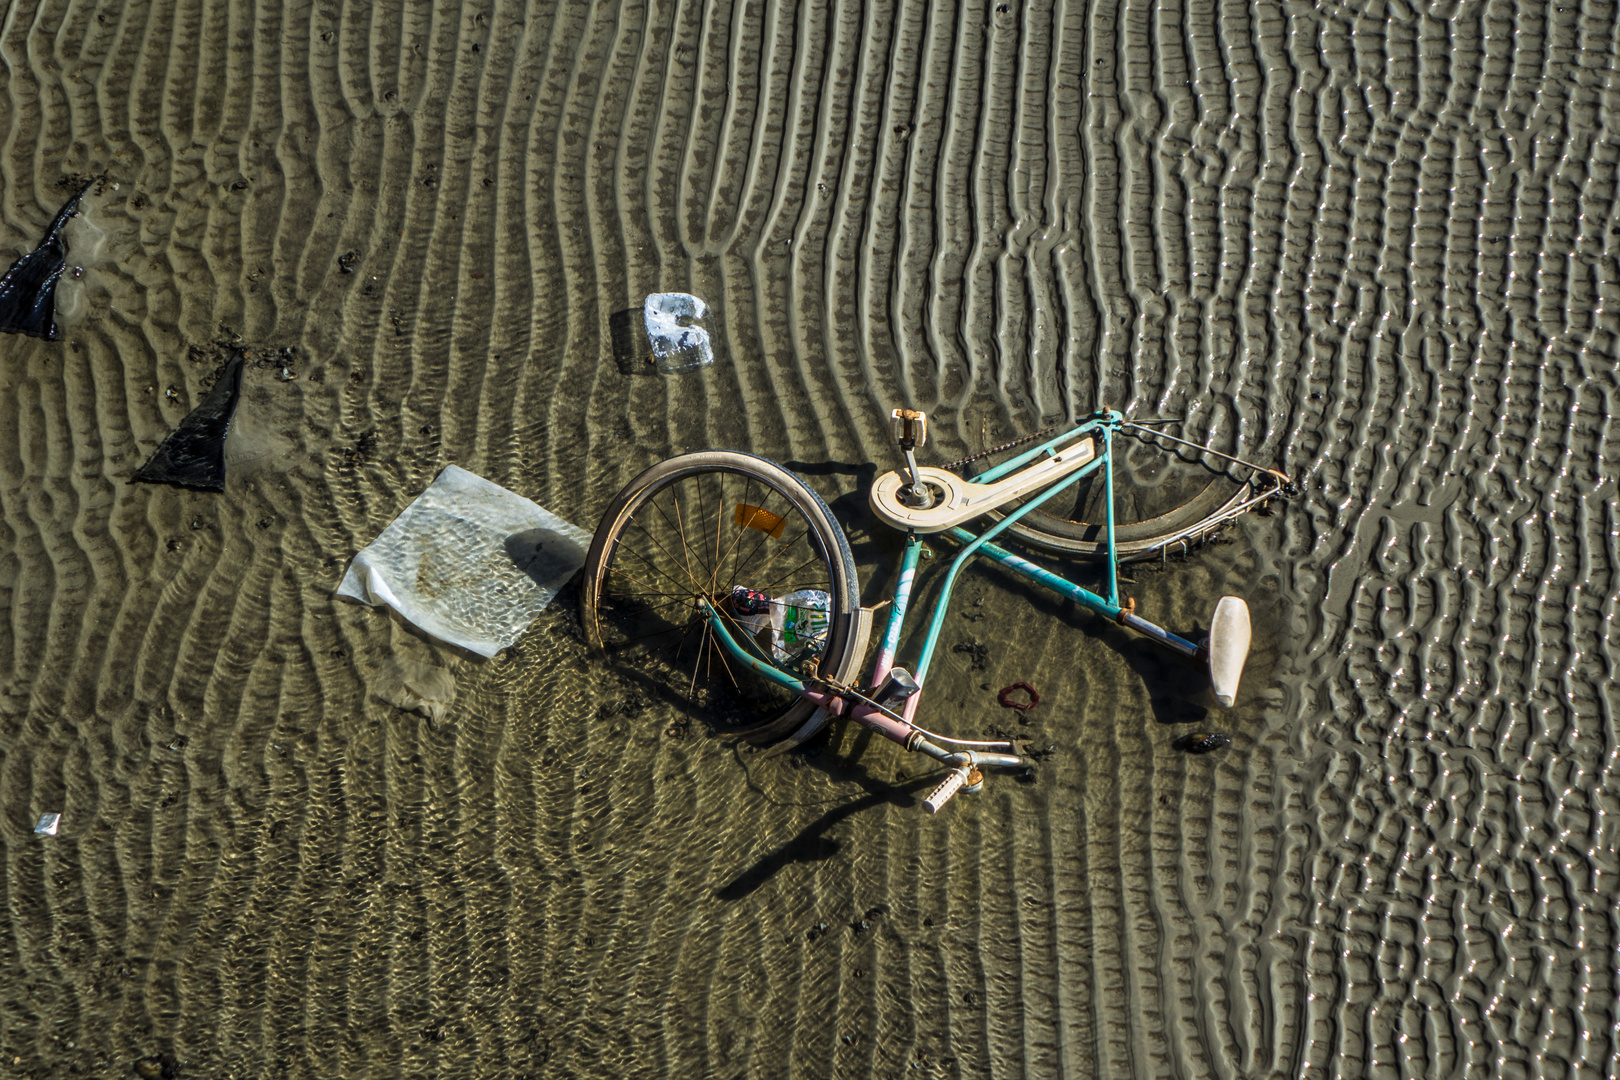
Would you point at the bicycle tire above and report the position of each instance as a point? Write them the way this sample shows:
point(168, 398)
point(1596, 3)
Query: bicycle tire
point(1194, 520)
point(768, 492)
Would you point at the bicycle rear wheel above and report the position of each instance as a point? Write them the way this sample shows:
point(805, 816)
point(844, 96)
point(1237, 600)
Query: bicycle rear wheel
point(1164, 500)
point(699, 527)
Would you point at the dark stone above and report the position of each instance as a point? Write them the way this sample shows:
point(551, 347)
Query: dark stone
point(1202, 742)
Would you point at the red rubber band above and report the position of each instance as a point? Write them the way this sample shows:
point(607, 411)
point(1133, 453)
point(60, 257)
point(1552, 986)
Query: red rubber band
point(1021, 706)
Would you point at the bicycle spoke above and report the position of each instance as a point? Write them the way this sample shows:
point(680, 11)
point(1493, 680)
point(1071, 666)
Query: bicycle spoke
point(620, 646)
point(719, 521)
point(616, 569)
point(679, 525)
point(685, 550)
point(727, 667)
point(648, 534)
point(740, 530)
point(691, 690)
point(644, 592)
point(617, 572)
point(790, 573)
point(703, 515)
point(764, 536)
point(679, 601)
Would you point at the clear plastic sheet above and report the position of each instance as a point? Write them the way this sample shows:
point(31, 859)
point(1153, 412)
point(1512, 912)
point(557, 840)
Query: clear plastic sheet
point(468, 562)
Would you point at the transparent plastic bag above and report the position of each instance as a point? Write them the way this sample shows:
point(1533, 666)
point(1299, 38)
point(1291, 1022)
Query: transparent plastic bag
point(676, 345)
point(799, 623)
point(469, 562)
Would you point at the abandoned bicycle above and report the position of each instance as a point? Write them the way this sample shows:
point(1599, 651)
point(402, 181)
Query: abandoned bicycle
point(724, 577)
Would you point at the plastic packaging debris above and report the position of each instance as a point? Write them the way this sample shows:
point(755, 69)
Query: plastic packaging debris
point(748, 602)
point(751, 608)
point(469, 562)
point(47, 824)
point(418, 687)
point(677, 345)
point(799, 624)
point(28, 290)
point(194, 453)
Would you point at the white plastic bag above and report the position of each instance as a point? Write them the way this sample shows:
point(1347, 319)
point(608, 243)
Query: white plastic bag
point(469, 562)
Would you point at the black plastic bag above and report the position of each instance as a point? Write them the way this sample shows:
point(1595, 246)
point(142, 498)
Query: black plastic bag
point(28, 291)
point(194, 455)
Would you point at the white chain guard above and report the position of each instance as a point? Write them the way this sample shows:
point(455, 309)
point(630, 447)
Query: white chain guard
point(963, 499)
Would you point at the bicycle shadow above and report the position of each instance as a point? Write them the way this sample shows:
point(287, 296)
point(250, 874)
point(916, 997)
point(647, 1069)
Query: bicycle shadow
point(688, 714)
point(1176, 686)
point(812, 844)
point(867, 542)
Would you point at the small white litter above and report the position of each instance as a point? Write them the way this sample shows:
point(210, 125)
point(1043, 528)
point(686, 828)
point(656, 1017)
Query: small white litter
point(469, 562)
point(677, 345)
point(47, 824)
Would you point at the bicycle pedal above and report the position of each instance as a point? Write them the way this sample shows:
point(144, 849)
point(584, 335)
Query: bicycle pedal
point(1228, 647)
point(909, 427)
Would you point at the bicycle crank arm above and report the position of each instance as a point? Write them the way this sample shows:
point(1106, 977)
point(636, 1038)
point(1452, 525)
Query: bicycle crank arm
point(963, 500)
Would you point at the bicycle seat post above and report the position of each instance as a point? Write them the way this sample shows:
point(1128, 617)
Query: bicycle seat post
point(910, 429)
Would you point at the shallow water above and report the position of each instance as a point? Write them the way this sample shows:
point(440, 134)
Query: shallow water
point(1372, 247)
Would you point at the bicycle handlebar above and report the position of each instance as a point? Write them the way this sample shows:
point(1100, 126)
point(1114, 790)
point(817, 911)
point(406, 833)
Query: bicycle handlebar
point(947, 787)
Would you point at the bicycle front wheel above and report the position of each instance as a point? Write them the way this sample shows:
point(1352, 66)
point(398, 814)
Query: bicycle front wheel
point(749, 539)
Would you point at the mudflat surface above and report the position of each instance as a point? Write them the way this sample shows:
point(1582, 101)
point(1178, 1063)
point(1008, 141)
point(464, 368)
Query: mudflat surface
point(1373, 248)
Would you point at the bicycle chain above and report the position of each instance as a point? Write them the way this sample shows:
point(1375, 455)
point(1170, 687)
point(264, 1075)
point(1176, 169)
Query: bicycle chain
point(957, 465)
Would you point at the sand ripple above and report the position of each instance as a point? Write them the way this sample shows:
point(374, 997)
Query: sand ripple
point(1373, 247)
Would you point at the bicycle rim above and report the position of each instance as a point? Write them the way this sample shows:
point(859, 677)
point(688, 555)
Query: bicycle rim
point(1163, 501)
point(698, 528)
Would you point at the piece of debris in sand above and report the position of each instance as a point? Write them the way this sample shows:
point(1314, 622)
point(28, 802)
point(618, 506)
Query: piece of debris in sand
point(28, 291)
point(47, 824)
point(1202, 742)
point(469, 562)
point(677, 344)
point(1008, 699)
point(416, 686)
point(194, 453)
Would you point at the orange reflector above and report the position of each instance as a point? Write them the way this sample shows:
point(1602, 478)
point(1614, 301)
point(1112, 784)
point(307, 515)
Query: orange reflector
point(752, 517)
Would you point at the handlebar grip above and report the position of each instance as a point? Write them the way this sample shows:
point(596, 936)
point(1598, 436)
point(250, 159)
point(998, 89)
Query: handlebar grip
point(947, 787)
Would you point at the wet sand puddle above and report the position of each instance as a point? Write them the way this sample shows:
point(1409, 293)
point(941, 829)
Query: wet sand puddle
point(1374, 247)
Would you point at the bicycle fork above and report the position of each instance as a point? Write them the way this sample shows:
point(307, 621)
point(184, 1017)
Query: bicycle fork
point(896, 689)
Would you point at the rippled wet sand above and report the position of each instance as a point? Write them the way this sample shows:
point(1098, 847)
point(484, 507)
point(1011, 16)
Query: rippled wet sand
point(1373, 247)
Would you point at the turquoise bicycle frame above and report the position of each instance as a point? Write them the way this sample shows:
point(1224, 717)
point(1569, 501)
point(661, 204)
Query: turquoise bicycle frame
point(899, 728)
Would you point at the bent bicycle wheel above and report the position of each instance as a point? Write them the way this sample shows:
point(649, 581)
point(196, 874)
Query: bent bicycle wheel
point(748, 538)
point(1163, 501)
